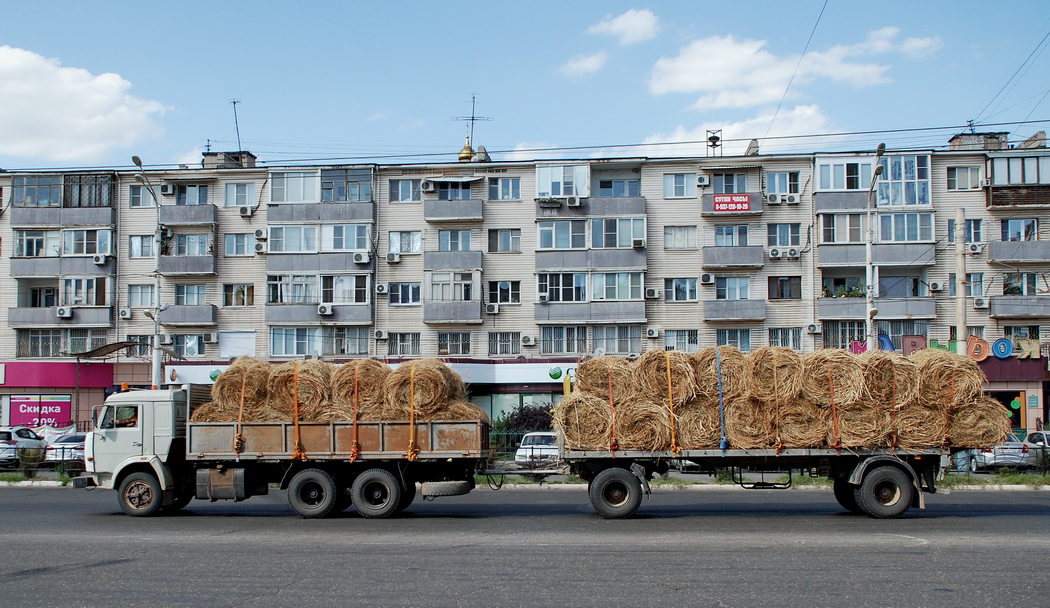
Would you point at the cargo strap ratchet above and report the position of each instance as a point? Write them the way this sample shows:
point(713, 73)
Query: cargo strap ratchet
point(297, 454)
point(413, 449)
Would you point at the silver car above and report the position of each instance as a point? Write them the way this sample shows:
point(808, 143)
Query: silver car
point(1010, 453)
point(13, 439)
point(537, 449)
point(1038, 443)
point(67, 450)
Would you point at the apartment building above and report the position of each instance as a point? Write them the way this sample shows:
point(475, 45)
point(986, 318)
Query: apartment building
point(514, 270)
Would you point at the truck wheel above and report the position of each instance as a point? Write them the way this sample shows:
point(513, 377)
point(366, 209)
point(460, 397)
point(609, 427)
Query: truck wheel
point(846, 494)
point(615, 493)
point(312, 493)
point(408, 494)
point(377, 494)
point(140, 495)
point(885, 493)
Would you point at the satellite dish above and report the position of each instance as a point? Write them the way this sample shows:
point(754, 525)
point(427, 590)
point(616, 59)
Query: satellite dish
point(599, 352)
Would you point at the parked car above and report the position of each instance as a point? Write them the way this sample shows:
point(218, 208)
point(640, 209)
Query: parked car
point(67, 450)
point(1010, 453)
point(537, 449)
point(1038, 443)
point(16, 438)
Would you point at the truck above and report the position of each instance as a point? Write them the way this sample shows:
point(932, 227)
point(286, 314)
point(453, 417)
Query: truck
point(144, 446)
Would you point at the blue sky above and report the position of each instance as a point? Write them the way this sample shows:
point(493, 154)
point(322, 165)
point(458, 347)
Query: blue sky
point(89, 84)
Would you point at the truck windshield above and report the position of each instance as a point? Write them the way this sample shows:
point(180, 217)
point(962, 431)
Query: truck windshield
point(122, 416)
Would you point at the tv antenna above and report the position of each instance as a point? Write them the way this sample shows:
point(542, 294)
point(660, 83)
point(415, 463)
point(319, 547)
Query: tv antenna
point(473, 118)
point(236, 125)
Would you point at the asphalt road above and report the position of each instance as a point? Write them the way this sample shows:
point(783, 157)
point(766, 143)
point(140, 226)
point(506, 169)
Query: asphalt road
point(65, 547)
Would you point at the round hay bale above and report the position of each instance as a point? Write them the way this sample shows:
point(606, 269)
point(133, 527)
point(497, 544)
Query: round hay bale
point(245, 376)
point(832, 373)
point(918, 426)
point(947, 379)
point(748, 424)
point(801, 424)
point(980, 424)
point(861, 424)
point(212, 411)
point(776, 373)
point(426, 383)
point(457, 411)
point(370, 377)
point(643, 425)
point(890, 379)
point(597, 375)
point(312, 379)
point(651, 378)
point(698, 424)
point(736, 379)
point(583, 420)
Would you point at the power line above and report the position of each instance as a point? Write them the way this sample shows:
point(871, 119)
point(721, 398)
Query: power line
point(801, 57)
point(1038, 48)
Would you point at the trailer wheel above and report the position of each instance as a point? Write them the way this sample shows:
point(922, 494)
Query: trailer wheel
point(885, 493)
point(140, 495)
point(312, 493)
point(846, 494)
point(615, 493)
point(408, 494)
point(377, 494)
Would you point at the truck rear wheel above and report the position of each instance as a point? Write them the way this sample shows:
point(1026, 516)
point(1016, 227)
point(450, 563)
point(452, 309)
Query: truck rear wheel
point(140, 495)
point(312, 493)
point(885, 493)
point(377, 494)
point(615, 493)
point(846, 494)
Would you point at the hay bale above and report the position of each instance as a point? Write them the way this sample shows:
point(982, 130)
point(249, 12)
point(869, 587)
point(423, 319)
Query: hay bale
point(246, 377)
point(800, 424)
point(426, 383)
point(980, 424)
point(736, 379)
point(310, 379)
point(370, 377)
point(890, 379)
point(584, 421)
point(749, 425)
point(776, 373)
point(457, 411)
point(860, 424)
point(698, 424)
point(213, 411)
point(832, 374)
point(598, 376)
point(918, 426)
point(947, 378)
point(651, 378)
point(644, 425)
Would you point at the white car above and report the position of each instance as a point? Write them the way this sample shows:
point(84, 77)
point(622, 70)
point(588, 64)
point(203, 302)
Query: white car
point(538, 449)
point(15, 438)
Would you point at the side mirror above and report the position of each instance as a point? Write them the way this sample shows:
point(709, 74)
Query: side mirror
point(1039, 444)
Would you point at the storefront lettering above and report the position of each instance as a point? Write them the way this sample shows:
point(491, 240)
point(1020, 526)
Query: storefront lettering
point(979, 349)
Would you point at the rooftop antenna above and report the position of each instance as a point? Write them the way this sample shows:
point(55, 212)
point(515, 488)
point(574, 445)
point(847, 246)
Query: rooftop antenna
point(207, 145)
point(236, 125)
point(714, 142)
point(473, 118)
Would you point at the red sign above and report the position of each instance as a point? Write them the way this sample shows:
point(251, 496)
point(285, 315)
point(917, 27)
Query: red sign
point(732, 202)
point(40, 410)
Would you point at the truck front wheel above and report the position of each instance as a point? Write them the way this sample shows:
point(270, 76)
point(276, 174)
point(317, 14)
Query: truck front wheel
point(140, 495)
point(885, 493)
point(312, 493)
point(377, 494)
point(615, 493)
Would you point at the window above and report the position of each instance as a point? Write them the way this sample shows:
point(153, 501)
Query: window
point(680, 185)
point(974, 284)
point(842, 334)
point(563, 340)
point(784, 235)
point(566, 287)
point(1020, 332)
point(36, 191)
point(619, 339)
point(1019, 284)
point(505, 292)
point(680, 290)
point(785, 288)
point(340, 340)
point(841, 174)
point(190, 345)
point(291, 289)
point(790, 337)
point(293, 239)
point(974, 234)
point(504, 343)
point(192, 244)
point(617, 187)
point(730, 183)
point(905, 227)
point(191, 195)
point(346, 185)
point(1030, 170)
point(897, 329)
point(1019, 230)
point(240, 244)
point(563, 234)
point(900, 286)
point(404, 191)
point(140, 296)
point(504, 188)
point(454, 343)
point(505, 241)
point(679, 237)
point(39, 342)
point(905, 180)
point(782, 183)
point(617, 285)
point(404, 294)
point(140, 246)
point(406, 242)
point(239, 294)
point(403, 344)
point(840, 228)
point(964, 178)
point(740, 338)
point(143, 349)
point(976, 331)
point(140, 197)
point(240, 195)
point(453, 240)
point(843, 287)
point(89, 190)
point(451, 286)
point(290, 341)
point(85, 242)
point(84, 291)
point(563, 180)
point(37, 243)
point(43, 297)
point(83, 340)
point(685, 340)
point(344, 289)
point(616, 232)
point(453, 191)
point(189, 295)
point(293, 187)
point(344, 237)
point(732, 288)
point(731, 236)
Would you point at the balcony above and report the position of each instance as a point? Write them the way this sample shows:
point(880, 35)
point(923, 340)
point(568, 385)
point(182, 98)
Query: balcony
point(585, 259)
point(451, 260)
point(453, 211)
point(750, 256)
point(882, 254)
point(594, 206)
point(188, 215)
point(729, 205)
point(1019, 196)
point(319, 262)
point(889, 308)
point(841, 201)
point(1019, 307)
point(734, 310)
point(66, 217)
point(299, 314)
point(611, 311)
point(1019, 252)
point(188, 315)
point(60, 266)
point(187, 265)
point(452, 312)
point(356, 212)
point(83, 316)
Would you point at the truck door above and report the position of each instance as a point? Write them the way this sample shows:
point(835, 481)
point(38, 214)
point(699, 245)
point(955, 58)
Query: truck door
point(117, 436)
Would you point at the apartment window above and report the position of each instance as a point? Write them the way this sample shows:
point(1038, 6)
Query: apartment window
point(976, 331)
point(191, 195)
point(344, 237)
point(404, 191)
point(39, 342)
point(1019, 230)
point(505, 241)
point(192, 244)
point(344, 289)
point(782, 183)
point(563, 234)
point(900, 286)
point(293, 187)
point(504, 188)
point(240, 244)
point(564, 287)
point(84, 340)
point(896, 330)
point(685, 340)
point(142, 349)
point(679, 237)
point(291, 289)
point(840, 174)
point(406, 242)
point(140, 296)
point(189, 295)
point(504, 343)
point(37, 243)
point(1019, 284)
point(238, 294)
point(616, 232)
point(292, 239)
point(140, 246)
point(402, 294)
point(188, 345)
point(785, 288)
point(840, 228)
point(740, 338)
point(346, 185)
point(36, 191)
point(454, 343)
point(732, 288)
point(240, 195)
point(905, 227)
point(974, 233)
point(290, 341)
point(453, 191)
point(618, 187)
point(617, 285)
point(505, 292)
point(453, 240)
point(140, 197)
point(84, 291)
point(842, 287)
point(43, 297)
point(842, 334)
point(974, 284)
point(789, 337)
point(1020, 332)
point(964, 178)
point(730, 183)
point(563, 180)
point(905, 180)
point(680, 185)
point(784, 235)
point(85, 242)
point(403, 344)
point(341, 341)
point(731, 236)
point(563, 340)
point(680, 290)
point(89, 190)
point(618, 339)
point(451, 286)
point(1018, 170)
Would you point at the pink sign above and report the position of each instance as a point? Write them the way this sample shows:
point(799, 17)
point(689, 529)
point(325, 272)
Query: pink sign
point(40, 410)
point(732, 202)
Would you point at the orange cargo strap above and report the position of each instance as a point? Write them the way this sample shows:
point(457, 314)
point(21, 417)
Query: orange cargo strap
point(297, 454)
point(354, 449)
point(948, 410)
point(834, 412)
point(413, 449)
point(613, 444)
point(779, 444)
point(238, 438)
point(670, 403)
point(894, 410)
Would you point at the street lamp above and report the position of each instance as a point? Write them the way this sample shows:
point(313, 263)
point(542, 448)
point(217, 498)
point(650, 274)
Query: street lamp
point(869, 265)
point(155, 372)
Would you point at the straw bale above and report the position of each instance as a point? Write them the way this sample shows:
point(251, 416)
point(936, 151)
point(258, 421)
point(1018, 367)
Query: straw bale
point(748, 424)
point(458, 411)
point(429, 386)
point(371, 375)
point(584, 420)
point(890, 379)
point(213, 411)
point(776, 373)
point(832, 373)
point(800, 424)
point(860, 424)
point(642, 424)
point(736, 379)
point(312, 377)
point(918, 426)
point(698, 424)
point(596, 375)
point(980, 424)
point(245, 376)
point(650, 373)
point(946, 378)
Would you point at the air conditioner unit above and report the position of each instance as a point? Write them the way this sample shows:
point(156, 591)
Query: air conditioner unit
point(652, 332)
point(167, 339)
point(246, 211)
point(651, 293)
point(381, 334)
point(774, 254)
point(773, 199)
point(260, 248)
point(793, 253)
point(393, 258)
point(543, 298)
point(124, 313)
point(99, 260)
point(381, 288)
point(573, 201)
point(492, 309)
point(324, 309)
point(703, 180)
point(260, 234)
point(427, 186)
point(707, 279)
point(980, 303)
point(362, 257)
point(791, 199)
point(211, 338)
point(975, 248)
point(986, 183)
point(167, 189)
point(936, 286)
point(64, 312)
point(528, 340)
point(638, 243)
point(813, 328)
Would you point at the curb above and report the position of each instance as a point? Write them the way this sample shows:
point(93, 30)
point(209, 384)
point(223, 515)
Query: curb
point(32, 484)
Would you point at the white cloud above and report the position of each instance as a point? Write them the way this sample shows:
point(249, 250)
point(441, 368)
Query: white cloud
point(801, 120)
point(632, 26)
point(67, 114)
point(583, 65)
